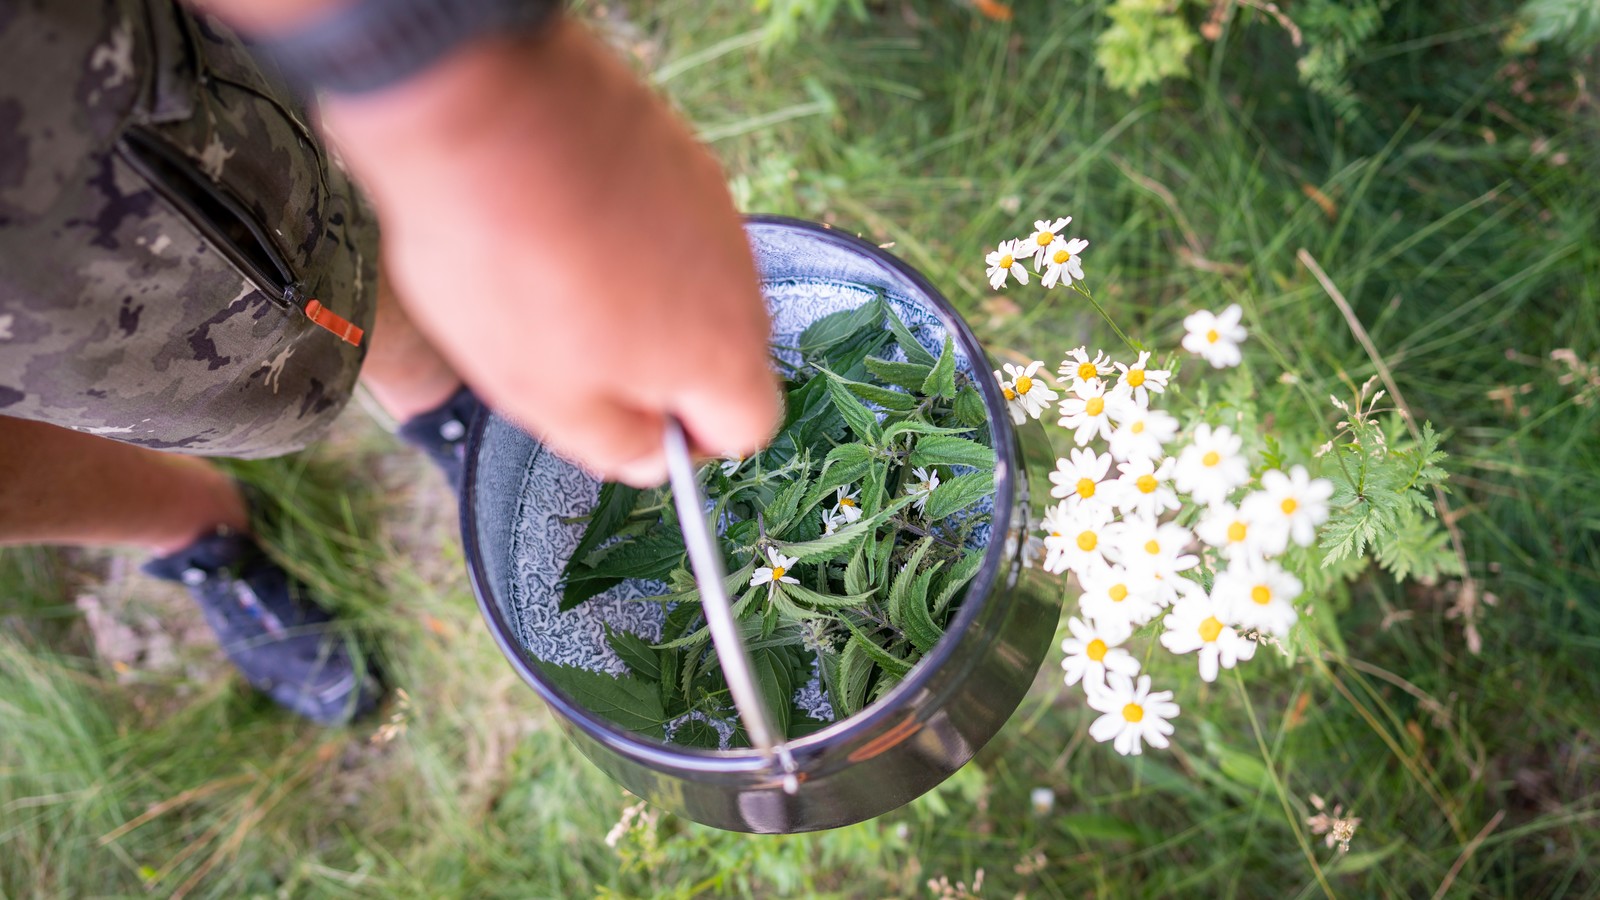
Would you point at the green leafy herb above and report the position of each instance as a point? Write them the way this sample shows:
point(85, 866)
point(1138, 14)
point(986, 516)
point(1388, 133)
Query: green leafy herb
point(871, 578)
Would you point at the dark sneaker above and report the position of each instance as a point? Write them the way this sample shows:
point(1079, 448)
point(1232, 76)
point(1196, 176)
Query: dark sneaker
point(276, 637)
point(442, 433)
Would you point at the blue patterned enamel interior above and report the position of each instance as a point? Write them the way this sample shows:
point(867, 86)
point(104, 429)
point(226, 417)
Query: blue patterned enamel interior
point(804, 278)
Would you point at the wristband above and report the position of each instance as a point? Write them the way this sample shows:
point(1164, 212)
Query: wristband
point(368, 45)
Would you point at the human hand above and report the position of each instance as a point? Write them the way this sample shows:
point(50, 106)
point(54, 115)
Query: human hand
point(570, 248)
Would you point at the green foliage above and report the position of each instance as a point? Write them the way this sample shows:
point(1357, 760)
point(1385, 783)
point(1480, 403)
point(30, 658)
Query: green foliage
point(870, 597)
point(1148, 41)
point(1573, 24)
point(788, 21)
point(1383, 495)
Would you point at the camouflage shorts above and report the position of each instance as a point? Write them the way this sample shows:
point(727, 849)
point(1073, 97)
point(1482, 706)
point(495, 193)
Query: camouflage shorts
point(166, 219)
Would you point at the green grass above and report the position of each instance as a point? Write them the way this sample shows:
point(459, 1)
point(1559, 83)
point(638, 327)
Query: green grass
point(1467, 260)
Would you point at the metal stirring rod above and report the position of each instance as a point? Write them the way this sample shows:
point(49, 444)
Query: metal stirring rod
point(706, 560)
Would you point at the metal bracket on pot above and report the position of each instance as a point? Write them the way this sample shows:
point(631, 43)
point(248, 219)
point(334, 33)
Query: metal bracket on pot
point(706, 559)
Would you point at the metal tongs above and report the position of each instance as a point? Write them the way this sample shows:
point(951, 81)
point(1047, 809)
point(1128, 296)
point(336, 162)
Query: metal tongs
point(699, 537)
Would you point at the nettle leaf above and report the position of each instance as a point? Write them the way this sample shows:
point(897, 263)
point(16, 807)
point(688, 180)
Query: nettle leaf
point(905, 581)
point(860, 419)
point(831, 545)
point(635, 652)
point(785, 505)
point(611, 510)
point(909, 344)
point(772, 676)
point(910, 376)
point(944, 450)
point(957, 494)
point(914, 427)
point(941, 382)
point(802, 594)
point(703, 633)
point(855, 573)
point(854, 676)
point(835, 328)
point(884, 397)
point(697, 733)
point(633, 703)
point(919, 625)
point(968, 407)
point(891, 664)
point(956, 578)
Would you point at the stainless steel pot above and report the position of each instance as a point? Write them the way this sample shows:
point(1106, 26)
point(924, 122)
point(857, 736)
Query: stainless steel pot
point(517, 500)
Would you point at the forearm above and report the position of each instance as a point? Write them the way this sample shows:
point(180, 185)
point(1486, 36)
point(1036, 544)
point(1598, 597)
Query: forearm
point(256, 18)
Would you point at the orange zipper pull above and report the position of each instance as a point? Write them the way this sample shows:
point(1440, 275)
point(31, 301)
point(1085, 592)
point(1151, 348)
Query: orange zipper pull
point(339, 325)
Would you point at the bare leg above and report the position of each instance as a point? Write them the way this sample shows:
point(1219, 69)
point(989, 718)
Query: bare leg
point(403, 371)
point(59, 486)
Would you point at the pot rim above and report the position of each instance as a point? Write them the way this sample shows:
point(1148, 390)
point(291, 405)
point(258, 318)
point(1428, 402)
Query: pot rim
point(750, 760)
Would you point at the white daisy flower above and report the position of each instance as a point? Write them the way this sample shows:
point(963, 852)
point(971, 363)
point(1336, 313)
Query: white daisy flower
point(1215, 337)
point(1007, 260)
point(1150, 549)
point(1225, 527)
point(926, 479)
point(1140, 433)
point(831, 522)
point(1259, 594)
point(1063, 262)
point(847, 504)
point(778, 571)
point(1080, 367)
point(1199, 623)
point(731, 465)
point(1115, 596)
point(1137, 382)
point(1133, 713)
point(1084, 411)
point(1143, 488)
point(1092, 651)
point(1077, 538)
point(1038, 244)
point(1291, 505)
point(1082, 478)
point(1032, 394)
point(1210, 468)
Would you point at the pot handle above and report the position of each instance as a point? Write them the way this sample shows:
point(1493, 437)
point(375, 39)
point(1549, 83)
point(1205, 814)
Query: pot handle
point(706, 559)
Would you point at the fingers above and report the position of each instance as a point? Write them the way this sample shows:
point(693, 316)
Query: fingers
point(615, 441)
point(733, 417)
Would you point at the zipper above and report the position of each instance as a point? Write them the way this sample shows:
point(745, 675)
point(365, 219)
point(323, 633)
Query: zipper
point(213, 211)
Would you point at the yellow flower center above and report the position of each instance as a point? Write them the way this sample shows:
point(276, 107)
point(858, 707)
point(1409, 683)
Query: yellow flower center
point(1010, 394)
point(1087, 541)
point(1133, 712)
point(1137, 427)
point(1289, 505)
point(1146, 483)
point(1061, 257)
point(1094, 406)
point(1118, 593)
point(1044, 238)
point(1085, 488)
point(1211, 336)
point(1024, 384)
point(1086, 370)
point(1211, 458)
point(1261, 594)
point(1152, 547)
point(778, 572)
point(846, 501)
point(1236, 532)
point(1135, 377)
point(1007, 261)
point(1210, 629)
point(1096, 650)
